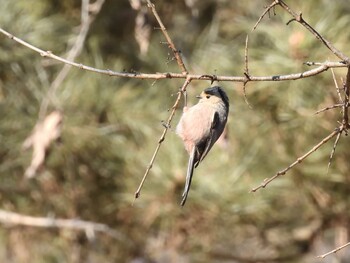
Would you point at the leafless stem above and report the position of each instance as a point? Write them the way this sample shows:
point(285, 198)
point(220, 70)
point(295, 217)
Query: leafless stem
point(299, 18)
point(136, 75)
point(337, 86)
point(299, 160)
point(176, 52)
point(11, 218)
point(246, 68)
point(330, 108)
point(267, 10)
point(167, 125)
point(346, 102)
point(246, 73)
point(333, 150)
point(334, 250)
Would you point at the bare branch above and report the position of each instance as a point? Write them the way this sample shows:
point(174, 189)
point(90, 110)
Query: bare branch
point(177, 53)
point(11, 218)
point(167, 126)
point(334, 250)
point(246, 73)
point(337, 87)
point(298, 18)
point(329, 108)
point(136, 75)
point(267, 10)
point(299, 160)
point(333, 150)
point(346, 102)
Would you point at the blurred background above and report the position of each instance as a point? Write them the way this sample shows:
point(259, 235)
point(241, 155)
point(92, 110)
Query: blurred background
point(111, 127)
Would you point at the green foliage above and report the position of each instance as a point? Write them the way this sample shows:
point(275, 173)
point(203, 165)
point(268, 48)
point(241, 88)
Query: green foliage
point(111, 128)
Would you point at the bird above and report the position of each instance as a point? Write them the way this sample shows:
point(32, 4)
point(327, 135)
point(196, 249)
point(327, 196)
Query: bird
point(200, 126)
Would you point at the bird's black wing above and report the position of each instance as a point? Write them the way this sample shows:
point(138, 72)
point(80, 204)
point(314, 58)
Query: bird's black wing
point(208, 143)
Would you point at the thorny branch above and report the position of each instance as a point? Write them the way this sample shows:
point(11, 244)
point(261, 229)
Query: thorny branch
point(321, 67)
point(13, 218)
point(299, 160)
point(167, 126)
point(299, 18)
point(329, 108)
point(246, 73)
point(343, 128)
point(333, 151)
point(267, 10)
point(345, 121)
point(345, 105)
point(176, 52)
point(168, 75)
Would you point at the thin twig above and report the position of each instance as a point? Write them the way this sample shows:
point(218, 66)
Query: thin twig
point(11, 218)
point(167, 75)
point(299, 18)
point(267, 10)
point(334, 250)
point(337, 86)
point(333, 151)
point(346, 102)
point(246, 68)
point(166, 125)
point(329, 108)
point(313, 63)
point(246, 73)
point(344, 124)
point(299, 160)
point(177, 53)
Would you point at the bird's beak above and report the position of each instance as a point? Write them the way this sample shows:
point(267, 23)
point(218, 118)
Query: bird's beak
point(198, 97)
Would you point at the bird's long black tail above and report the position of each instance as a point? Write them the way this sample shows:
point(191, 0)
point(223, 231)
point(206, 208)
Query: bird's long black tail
point(190, 168)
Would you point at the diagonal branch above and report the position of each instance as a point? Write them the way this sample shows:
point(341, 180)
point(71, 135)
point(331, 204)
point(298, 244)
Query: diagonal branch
point(333, 151)
point(267, 10)
point(299, 18)
point(299, 160)
point(167, 126)
point(177, 53)
point(334, 250)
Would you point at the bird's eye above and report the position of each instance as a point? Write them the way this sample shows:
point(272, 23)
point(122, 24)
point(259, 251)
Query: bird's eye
point(207, 96)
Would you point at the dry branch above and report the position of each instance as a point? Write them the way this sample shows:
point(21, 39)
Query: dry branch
point(329, 108)
point(11, 218)
point(299, 160)
point(168, 75)
point(176, 52)
point(246, 73)
point(299, 18)
point(267, 10)
point(167, 126)
point(334, 250)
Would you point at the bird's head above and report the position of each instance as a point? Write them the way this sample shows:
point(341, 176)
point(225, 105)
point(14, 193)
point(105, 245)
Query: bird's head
point(214, 95)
